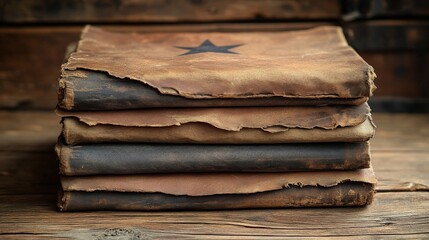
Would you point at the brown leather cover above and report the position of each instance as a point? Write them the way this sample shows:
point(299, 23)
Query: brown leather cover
point(203, 184)
point(221, 125)
point(87, 90)
point(341, 195)
point(76, 132)
point(129, 158)
point(270, 119)
point(306, 64)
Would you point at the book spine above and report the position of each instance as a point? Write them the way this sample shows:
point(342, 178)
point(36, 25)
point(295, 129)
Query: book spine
point(91, 90)
point(169, 158)
point(344, 194)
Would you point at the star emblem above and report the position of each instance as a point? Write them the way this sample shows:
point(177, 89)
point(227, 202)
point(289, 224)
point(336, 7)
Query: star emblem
point(208, 46)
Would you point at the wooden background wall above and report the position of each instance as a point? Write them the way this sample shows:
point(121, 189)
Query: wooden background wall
point(391, 35)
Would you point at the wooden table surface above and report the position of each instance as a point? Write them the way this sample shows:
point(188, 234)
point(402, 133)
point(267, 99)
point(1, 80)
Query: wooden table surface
point(28, 184)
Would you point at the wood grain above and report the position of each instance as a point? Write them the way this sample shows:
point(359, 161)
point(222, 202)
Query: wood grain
point(66, 11)
point(33, 131)
point(400, 73)
point(369, 9)
point(399, 104)
point(30, 67)
point(28, 172)
point(401, 133)
point(35, 216)
point(405, 171)
point(393, 35)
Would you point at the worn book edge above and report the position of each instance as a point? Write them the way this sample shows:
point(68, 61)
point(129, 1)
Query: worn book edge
point(342, 195)
point(67, 154)
point(269, 119)
point(200, 184)
point(69, 67)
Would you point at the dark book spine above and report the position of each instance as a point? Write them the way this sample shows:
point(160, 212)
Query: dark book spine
point(169, 158)
point(91, 90)
point(344, 194)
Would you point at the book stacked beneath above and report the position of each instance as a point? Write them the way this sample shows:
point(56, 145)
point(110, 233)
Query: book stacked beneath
point(214, 121)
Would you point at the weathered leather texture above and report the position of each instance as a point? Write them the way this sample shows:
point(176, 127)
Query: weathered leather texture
point(344, 194)
point(270, 119)
point(92, 90)
point(76, 132)
point(202, 184)
point(220, 125)
point(266, 68)
point(94, 159)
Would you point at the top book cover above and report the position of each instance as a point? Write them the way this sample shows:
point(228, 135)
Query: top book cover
point(111, 71)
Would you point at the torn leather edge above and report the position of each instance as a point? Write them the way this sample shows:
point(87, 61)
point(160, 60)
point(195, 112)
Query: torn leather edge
point(212, 184)
point(177, 120)
point(66, 96)
point(63, 199)
point(63, 156)
point(370, 73)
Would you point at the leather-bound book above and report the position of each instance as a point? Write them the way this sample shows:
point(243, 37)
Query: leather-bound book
point(117, 71)
point(94, 159)
point(245, 125)
point(217, 191)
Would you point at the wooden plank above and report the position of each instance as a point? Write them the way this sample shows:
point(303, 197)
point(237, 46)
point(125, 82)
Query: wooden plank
point(394, 35)
point(28, 172)
point(401, 171)
point(369, 9)
point(401, 84)
point(399, 105)
point(401, 133)
point(31, 56)
point(35, 216)
point(400, 74)
point(30, 67)
point(66, 11)
point(28, 131)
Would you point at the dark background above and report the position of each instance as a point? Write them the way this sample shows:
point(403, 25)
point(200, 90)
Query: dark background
point(392, 36)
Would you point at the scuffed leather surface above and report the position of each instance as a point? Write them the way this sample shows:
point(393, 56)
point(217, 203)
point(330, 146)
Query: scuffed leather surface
point(270, 119)
point(108, 158)
point(94, 90)
point(202, 184)
point(344, 194)
point(311, 63)
point(76, 132)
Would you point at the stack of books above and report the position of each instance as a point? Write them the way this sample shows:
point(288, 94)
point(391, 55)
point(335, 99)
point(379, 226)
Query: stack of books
point(214, 121)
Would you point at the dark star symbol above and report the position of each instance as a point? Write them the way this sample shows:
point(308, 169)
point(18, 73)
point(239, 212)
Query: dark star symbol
point(208, 46)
